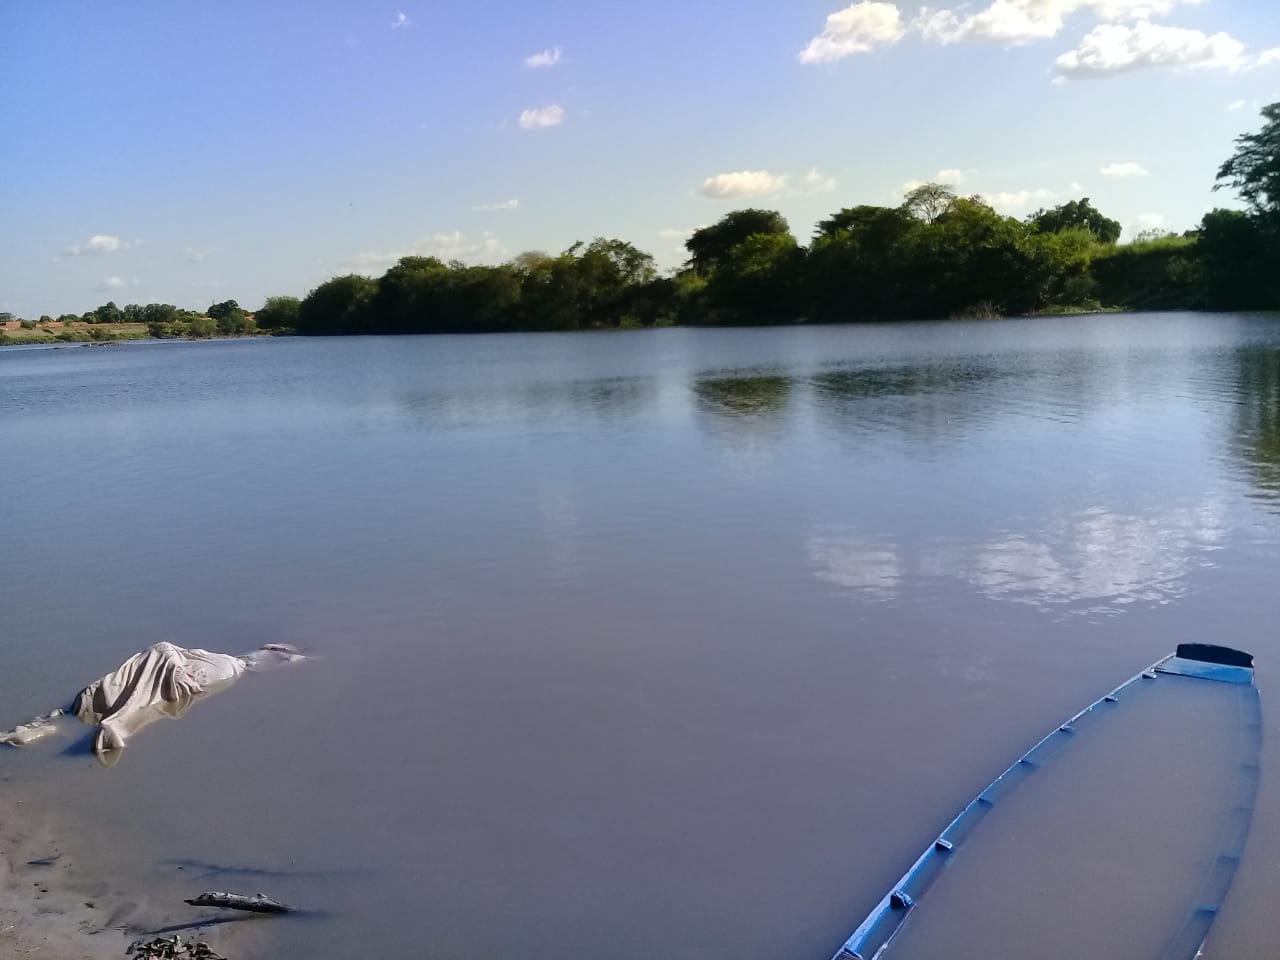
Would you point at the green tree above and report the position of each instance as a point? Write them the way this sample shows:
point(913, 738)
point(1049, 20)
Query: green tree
point(158, 313)
point(607, 275)
point(929, 201)
point(1062, 267)
point(530, 260)
point(108, 313)
point(855, 268)
point(202, 327)
point(877, 225)
point(231, 318)
point(550, 294)
point(758, 281)
point(408, 297)
point(483, 299)
point(1162, 274)
point(711, 245)
point(1253, 171)
point(338, 306)
point(1240, 258)
point(279, 313)
point(1074, 215)
point(969, 257)
point(226, 308)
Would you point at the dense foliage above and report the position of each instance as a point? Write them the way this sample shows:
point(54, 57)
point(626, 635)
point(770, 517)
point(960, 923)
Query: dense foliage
point(935, 255)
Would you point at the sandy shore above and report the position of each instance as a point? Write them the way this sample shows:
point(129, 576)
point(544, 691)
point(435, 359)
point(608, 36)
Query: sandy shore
point(61, 898)
point(51, 910)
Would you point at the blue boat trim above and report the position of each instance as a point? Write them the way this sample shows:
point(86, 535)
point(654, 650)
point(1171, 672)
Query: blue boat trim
point(1199, 661)
point(1190, 940)
point(1207, 671)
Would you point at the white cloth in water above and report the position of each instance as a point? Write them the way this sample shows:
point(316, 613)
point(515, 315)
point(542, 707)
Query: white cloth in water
point(33, 731)
point(162, 681)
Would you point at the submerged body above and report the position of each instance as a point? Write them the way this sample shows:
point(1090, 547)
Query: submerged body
point(162, 681)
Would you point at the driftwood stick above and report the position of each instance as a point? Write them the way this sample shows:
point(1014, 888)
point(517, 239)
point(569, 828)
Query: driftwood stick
point(258, 903)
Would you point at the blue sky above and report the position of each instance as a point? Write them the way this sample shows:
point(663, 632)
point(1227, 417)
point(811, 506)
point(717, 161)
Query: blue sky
point(194, 152)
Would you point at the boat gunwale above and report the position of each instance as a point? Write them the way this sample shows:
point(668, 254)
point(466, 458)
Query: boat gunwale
point(891, 913)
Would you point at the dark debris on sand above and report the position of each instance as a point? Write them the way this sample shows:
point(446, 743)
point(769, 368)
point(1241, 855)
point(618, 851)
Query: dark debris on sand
point(173, 948)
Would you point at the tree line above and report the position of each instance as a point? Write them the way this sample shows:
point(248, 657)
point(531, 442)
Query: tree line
point(162, 321)
point(938, 254)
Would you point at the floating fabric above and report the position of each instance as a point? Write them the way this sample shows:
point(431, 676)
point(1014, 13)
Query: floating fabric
point(162, 681)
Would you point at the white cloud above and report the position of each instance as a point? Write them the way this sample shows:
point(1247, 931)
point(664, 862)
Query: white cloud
point(445, 246)
point(1150, 221)
point(676, 233)
point(1124, 170)
point(1237, 105)
point(1114, 48)
point(950, 177)
point(114, 284)
point(500, 205)
point(542, 117)
point(858, 28)
point(1014, 202)
point(1005, 21)
point(547, 58)
point(817, 182)
point(744, 183)
point(1135, 9)
point(100, 243)
point(1017, 22)
point(1125, 39)
point(401, 20)
point(197, 255)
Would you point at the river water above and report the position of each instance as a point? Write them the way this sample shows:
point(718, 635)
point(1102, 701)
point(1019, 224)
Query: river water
point(675, 643)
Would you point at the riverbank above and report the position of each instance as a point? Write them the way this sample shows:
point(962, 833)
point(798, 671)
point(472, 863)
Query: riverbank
point(58, 332)
point(49, 906)
point(66, 893)
point(98, 334)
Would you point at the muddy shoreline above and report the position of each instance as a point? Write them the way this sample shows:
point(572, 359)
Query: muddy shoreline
point(60, 898)
point(51, 905)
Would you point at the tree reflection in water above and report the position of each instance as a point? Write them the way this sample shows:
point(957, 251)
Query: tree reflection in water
point(1256, 437)
point(762, 397)
point(748, 410)
point(606, 398)
point(939, 403)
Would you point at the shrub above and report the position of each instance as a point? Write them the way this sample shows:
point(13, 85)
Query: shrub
point(202, 327)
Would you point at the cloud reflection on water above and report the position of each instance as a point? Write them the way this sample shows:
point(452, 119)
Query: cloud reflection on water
point(872, 570)
point(1093, 561)
point(1101, 560)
